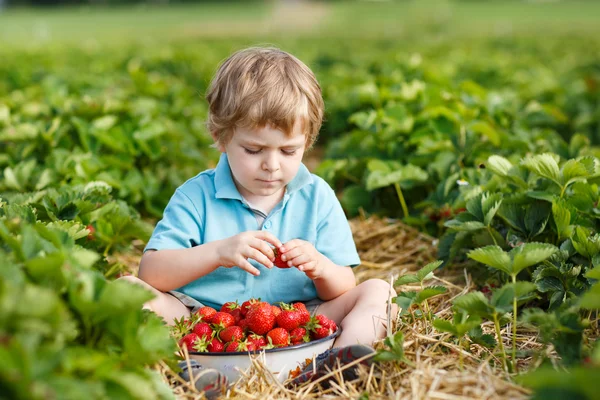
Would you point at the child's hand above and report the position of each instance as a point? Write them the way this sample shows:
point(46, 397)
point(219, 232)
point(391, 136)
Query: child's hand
point(236, 250)
point(303, 255)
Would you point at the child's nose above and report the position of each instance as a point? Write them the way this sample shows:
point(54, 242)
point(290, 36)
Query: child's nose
point(271, 162)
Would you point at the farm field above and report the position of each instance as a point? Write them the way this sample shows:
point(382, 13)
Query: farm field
point(462, 139)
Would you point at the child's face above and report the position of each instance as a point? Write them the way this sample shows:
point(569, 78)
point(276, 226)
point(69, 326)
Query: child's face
point(264, 160)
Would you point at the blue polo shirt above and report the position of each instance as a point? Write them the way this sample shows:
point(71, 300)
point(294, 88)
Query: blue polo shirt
point(209, 207)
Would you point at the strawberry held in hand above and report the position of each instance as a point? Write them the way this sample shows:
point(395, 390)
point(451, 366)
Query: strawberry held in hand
point(279, 263)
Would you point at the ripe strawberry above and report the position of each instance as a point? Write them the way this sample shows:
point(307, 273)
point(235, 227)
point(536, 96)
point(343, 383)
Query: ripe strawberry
point(189, 341)
point(243, 324)
point(203, 330)
point(320, 327)
point(248, 304)
point(289, 318)
point(232, 333)
point(299, 335)
point(276, 310)
point(261, 319)
point(299, 306)
point(232, 347)
point(237, 315)
point(304, 314)
point(222, 320)
point(229, 306)
point(215, 346)
point(206, 313)
point(279, 263)
point(258, 341)
point(279, 337)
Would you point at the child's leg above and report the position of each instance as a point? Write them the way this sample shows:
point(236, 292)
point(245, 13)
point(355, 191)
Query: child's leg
point(361, 312)
point(164, 304)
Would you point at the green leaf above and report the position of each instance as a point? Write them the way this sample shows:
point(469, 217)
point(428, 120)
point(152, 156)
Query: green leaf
point(490, 205)
point(572, 171)
point(486, 130)
point(562, 220)
point(444, 326)
point(404, 300)
point(427, 270)
point(428, 292)
point(549, 284)
point(492, 256)
point(591, 298)
point(530, 254)
point(502, 298)
point(474, 303)
point(406, 279)
point(594, 273)
point(545, 165)
point(499, 165)
point(468, 226)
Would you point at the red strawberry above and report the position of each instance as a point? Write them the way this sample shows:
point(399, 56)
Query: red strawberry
point(222, 320)
point(189, 341)
point(248, 304)
point(279, 263)
point(258, 341)
point(232, 347)
point(321, 327)
point(276, 310)
point(229, 306)
point(289, 318)
point(243, 324)
point(237, 315)
point(299, 306)
point(203, 330)
point(232, 333)
point(215, 346)
point(299, 335)
point(260, 318)
point(206, 313)
point(279, 337)
point(304, 314)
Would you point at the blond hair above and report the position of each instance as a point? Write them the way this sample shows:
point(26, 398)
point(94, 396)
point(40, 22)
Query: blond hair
point(264, 85)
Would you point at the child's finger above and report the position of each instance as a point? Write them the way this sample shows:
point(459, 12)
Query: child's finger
point(299, 260)
point(246, 266)
point(291, 254)
point(264, 248)
point(292, 244)
point(307, 267)
point(269, 237)
point(257, 254)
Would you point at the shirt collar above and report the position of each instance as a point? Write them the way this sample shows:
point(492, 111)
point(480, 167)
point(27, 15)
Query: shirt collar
point(226, 189)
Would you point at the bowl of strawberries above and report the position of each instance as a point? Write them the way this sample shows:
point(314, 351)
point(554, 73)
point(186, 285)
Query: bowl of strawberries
point(283, 336)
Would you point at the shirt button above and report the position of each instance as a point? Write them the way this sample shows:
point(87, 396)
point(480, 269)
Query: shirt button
point(267, 225)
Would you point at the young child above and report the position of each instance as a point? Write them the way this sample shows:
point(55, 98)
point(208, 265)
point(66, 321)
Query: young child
point(215, 241)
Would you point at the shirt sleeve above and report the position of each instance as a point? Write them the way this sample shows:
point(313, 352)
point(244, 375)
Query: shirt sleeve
point(180, 226)
point(334, 237)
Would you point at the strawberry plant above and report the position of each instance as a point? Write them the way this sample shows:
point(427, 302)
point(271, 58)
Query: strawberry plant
point(459, 326)
point(67, 331)
point(406, 299)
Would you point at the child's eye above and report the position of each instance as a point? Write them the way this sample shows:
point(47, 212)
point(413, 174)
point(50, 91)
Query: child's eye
point(251, 151)
point(288, 152)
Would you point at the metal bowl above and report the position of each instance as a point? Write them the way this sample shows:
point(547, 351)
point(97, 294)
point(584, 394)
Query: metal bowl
point(280, 361)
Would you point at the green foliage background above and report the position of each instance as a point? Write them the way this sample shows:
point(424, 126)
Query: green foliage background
point(471, 122)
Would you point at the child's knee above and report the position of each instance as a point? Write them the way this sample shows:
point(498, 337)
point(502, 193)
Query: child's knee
point(377, 288)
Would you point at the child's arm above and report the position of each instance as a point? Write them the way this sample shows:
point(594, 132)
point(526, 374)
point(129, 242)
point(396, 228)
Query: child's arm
point(170, 269)
point(330, 280)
